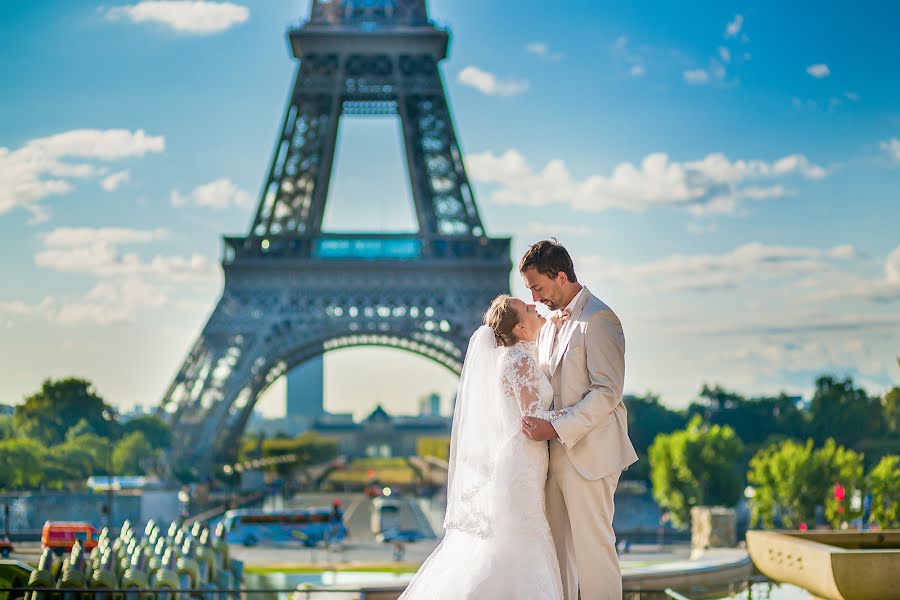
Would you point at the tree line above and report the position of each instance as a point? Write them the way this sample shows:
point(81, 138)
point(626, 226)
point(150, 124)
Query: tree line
point(838, 455)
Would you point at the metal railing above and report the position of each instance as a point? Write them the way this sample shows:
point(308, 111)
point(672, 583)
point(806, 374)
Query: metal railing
point(743, 589)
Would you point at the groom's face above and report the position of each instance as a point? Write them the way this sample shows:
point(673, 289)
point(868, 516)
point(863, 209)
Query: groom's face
point(544, 289)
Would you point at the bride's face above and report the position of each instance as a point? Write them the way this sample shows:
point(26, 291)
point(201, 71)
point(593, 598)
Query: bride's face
point(530, 322)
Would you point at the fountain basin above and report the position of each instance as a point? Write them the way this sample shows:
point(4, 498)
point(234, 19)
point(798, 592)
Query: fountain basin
point(832, 565)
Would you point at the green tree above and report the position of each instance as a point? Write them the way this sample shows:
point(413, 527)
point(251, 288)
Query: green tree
point(91, 444)
point(695, 466)
point(154, 429)
point(647, 418)
point(842, 411)
point(791, 479)
point(132, 455)
point(21, 463)
point(883, 483)
point(76, 459)
point(7, 427)
point(844, 468)
point(82, 427)
point(47, 415)
point(891, 403)
point(754, 420)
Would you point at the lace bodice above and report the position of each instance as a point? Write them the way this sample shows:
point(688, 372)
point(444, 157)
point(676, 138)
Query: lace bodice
point(521, 379)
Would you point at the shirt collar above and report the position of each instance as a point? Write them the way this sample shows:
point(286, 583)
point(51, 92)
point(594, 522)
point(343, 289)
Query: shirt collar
point(574, 301)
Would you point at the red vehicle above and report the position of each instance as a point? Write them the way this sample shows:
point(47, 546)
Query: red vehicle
point(61, 535)
point(6, 547)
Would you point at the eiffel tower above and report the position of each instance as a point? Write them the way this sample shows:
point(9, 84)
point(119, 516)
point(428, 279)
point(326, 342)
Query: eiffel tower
point(293, 291)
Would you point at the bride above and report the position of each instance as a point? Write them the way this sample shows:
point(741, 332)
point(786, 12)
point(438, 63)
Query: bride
point(497, 543)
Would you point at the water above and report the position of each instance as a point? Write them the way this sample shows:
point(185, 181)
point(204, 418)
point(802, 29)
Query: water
point(348, 579)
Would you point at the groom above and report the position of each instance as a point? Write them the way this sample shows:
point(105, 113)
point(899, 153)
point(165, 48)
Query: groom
point(582, 351)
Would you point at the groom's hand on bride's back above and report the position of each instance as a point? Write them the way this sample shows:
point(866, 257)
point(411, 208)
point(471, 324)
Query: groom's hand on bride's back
point(538, 430)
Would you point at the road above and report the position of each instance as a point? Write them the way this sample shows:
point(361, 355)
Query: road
point(360, 547)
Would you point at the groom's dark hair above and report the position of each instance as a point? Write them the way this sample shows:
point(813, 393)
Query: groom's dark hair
point(549, 257)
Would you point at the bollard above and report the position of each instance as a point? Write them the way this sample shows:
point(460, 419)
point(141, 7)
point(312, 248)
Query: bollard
point(170, 535)
point(135, 578)
point(155, 562)
point(42, 577)
point(104, 576)
point(166, 578)
point(220, 542)
point(187, 567)
point(73, 572)
point(127, 531)
point(206, 557)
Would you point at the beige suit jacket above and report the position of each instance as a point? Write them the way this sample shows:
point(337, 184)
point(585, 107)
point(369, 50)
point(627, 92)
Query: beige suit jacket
point(587, 371)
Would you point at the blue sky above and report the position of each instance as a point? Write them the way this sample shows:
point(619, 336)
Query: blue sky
point(725, 175)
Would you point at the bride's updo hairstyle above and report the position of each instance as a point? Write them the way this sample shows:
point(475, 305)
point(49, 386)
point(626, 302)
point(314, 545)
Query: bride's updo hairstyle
point(502, 319)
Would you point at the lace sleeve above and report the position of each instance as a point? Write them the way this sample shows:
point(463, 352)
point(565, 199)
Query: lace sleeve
point(520, 380)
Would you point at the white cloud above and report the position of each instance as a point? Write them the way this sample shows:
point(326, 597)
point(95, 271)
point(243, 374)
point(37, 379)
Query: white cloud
point(724, 54)
point(892, 147)
point(734, 27)
point(217, 195)
point(79, 236)
point(818, 70)
point(885, 289)
point(20, 308)
point(556, 230)
point(96, 252)
point(892, 266)
point(488, 83)
point(112, 302)
point(810, 322)
point(543, 50)
point(696, 76)
point(852, 96)
point(40, 167)
point(198, 17)
point(701, 228)
point(712, 184)
point(111, 182)
point(747, 263)
point(126, 283)
point(621, 49)
point(539, 48)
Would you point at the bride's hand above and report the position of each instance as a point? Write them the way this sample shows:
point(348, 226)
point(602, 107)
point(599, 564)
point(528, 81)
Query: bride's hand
point(538, 430)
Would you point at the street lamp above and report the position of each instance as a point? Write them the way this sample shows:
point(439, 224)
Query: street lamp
point(110, 417)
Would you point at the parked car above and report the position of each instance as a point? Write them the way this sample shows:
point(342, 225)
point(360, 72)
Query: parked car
point(6, 548)
point(61, 535)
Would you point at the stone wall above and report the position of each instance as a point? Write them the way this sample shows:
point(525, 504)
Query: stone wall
point(29, 510)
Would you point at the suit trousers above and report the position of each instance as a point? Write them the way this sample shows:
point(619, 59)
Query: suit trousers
point(580, 513)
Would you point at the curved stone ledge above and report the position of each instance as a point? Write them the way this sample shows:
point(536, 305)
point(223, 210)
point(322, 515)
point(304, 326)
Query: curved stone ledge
point(833, 565)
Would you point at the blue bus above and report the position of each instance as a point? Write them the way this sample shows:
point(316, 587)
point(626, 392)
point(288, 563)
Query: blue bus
point(304, 526)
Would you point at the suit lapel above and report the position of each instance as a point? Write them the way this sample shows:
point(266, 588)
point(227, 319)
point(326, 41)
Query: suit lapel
point(565, 333)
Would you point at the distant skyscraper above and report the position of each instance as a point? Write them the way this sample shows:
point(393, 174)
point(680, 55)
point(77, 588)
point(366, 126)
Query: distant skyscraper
point(306, 390)
point(430, 405)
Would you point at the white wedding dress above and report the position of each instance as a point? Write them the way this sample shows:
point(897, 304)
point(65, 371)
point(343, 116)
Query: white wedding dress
point(497, 544)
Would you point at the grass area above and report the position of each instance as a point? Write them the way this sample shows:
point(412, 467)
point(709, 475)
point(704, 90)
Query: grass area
point(389, 471)
point(354, 567)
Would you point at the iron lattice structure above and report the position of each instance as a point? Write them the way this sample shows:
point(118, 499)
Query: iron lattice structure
point(292, 291)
